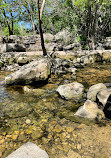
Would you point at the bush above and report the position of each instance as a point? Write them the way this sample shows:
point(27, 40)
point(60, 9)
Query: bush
point(16, 30)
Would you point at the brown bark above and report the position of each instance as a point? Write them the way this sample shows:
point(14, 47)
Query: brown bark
point(12, 23)
point(32, 22)
point(8, 23)
point(92, 25)
point(41, 33)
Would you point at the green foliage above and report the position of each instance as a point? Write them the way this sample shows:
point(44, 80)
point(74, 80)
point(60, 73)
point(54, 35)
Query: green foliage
point(84, 18)
point(47, 41)
point(81, 38)
point(17, 30)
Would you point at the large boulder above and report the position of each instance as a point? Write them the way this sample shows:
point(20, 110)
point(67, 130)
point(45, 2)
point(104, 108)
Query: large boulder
point(12, 39)
point(48, 37)
point(60, 66)
point(90, 110)
point(34, 71)
point(29, 150)
point(103, 95)
point(63, 35)
point(106, 56)
point(12, 47)
point(50, 46)
point(107, 108)
point(31, 39)
point(2, 48)
point(68, 55)
point(75, 46)
point(73, 91)
point(93, 90)
point(107, 43)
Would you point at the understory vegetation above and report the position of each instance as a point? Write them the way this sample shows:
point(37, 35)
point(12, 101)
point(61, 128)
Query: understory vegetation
point(87, 21)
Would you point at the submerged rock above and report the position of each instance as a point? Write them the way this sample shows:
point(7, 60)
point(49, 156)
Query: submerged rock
point(103, 95)
point(34, 71)
point(73, 91)
point(29, 150)
point(34, 91)
point(90, 110)
point(93, 90)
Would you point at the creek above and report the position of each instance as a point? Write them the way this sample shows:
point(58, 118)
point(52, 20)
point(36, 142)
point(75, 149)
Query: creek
point(42, 116)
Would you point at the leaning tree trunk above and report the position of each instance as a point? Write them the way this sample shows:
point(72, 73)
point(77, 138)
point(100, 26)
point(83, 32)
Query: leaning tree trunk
point(41, 33)
point(12, 21)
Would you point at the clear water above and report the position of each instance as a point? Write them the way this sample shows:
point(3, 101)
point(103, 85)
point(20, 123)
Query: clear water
point(33, 114)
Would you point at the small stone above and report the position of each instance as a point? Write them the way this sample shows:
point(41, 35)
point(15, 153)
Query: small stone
point(2, 141)
point(28, 121)
point(72, 154)
point(58, 128)
point(22, 132)
point(66, 147)
point(28, 131)
point(60, 147)
point(74, 135)
point(68, 136)
point(16, 132)
point(14, 137)
point(64, 134)
point(69, 129)
point(49, 136)
point(4, 133)
point(0, 137)
point(0, 154)
point(44, 140)
point(53, 151)
point(79, 146)
point(21, 137)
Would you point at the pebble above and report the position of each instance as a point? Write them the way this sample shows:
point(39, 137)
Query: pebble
point(14, 137)
point(2, 141)
point(72, 154)
point(28, 121)
point(58, 128)
point(0, 154)
point(69, 129)
point(79, 146)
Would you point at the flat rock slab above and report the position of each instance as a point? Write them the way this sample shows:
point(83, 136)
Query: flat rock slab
point(29, 150)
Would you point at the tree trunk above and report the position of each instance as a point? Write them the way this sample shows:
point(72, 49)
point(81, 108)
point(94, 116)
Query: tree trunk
point(8, 23)
point(41, 33)
point(12, 30)
point(89, 26)
point(33, 25)
point(32, 22)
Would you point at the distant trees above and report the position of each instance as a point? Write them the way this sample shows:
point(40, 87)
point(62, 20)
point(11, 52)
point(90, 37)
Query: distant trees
point(9, 14)
point(28, 12)
point(88, 21)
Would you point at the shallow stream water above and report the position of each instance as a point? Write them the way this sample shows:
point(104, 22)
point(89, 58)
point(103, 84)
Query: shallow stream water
point(42, 116)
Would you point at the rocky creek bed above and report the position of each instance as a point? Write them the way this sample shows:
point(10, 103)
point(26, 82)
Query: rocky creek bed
point(47, 120)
